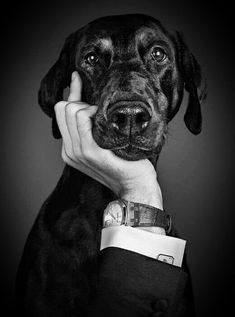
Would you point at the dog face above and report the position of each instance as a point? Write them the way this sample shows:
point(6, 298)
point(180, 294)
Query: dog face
point(136, 72)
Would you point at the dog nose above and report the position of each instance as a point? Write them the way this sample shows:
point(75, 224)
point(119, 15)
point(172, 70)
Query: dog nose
point(129, 119)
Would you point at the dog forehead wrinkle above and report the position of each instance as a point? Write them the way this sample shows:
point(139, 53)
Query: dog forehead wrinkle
point(145, 35)
point(105, 43)
point(124, 48)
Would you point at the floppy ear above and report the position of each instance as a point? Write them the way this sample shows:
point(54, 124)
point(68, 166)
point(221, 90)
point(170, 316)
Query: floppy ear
point(194, 84)
point(57, 79)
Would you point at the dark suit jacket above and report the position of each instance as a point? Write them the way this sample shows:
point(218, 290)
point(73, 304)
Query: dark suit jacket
point(63, 274)
point(134, 285)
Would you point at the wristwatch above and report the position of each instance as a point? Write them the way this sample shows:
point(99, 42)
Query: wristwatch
point(121, 212)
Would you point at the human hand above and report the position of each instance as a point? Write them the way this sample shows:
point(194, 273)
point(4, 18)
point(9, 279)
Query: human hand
point(131, 180)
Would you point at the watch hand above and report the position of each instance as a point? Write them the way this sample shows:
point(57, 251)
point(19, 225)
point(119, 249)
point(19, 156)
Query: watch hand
point(112, 216)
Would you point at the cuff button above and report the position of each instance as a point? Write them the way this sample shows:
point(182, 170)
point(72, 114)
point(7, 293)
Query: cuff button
point(165, 258)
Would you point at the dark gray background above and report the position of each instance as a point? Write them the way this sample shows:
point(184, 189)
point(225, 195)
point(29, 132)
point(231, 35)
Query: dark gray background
point(196, 172)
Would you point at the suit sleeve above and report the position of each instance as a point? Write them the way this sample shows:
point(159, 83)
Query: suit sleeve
point(131, 284)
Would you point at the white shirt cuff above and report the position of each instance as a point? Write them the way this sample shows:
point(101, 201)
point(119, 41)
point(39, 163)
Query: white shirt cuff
point(160, 247)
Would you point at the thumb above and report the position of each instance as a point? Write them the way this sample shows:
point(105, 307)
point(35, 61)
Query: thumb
point(75, 87)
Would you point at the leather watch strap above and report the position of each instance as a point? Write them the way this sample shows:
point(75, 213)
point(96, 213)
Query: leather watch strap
point(141, 215)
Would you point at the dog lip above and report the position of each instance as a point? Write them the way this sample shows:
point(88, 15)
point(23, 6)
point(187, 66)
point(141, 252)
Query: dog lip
point(140, 147)
point(123, 147)
point(131, 155)
point(130, 146)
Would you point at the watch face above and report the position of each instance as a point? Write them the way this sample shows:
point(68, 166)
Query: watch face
point(113, 214)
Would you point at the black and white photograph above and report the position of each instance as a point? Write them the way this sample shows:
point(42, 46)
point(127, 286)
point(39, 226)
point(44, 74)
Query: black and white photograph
point(117, 159)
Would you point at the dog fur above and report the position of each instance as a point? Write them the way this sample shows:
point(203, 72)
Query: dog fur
point(58, 271)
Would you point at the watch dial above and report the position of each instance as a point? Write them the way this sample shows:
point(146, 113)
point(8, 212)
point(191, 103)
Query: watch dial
point(113, 215)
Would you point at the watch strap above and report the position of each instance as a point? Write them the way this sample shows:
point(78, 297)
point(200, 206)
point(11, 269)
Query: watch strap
point(141, 215)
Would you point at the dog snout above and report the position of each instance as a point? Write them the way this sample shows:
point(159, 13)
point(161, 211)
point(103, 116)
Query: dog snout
point(129, 118)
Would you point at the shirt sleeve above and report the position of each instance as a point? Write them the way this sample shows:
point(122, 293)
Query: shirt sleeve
point(161, 247)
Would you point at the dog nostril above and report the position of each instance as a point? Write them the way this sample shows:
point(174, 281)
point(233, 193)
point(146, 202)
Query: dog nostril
point(142, 118)
point(129, 119)
point(118, 120)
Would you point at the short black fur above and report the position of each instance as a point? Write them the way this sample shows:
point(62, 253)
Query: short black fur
point(58, 271)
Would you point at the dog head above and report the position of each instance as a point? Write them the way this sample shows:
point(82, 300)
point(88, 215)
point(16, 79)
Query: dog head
point(135, 71)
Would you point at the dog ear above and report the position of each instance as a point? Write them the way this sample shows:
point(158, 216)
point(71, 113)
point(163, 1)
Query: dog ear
point(57, 79)
point(194, 84)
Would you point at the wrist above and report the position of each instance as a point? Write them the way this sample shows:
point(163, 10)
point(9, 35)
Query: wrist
point(144, 195)
point(137, 215)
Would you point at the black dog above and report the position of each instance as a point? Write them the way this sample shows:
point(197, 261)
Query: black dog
point(136, 72)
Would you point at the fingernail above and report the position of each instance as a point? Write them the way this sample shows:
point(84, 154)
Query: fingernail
point(73, 75)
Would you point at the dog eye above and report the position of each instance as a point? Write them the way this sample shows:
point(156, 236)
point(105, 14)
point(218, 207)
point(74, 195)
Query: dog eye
point(91, 59)
point(158, 54)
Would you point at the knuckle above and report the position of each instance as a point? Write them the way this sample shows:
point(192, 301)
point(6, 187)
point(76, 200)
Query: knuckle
point(72, 109)
point(69, 108)
point(59, 105)
point(70, 105)
point(80, 114)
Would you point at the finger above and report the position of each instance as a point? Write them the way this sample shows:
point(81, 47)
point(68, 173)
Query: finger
point(89, 148)
point(70, 116)
point(81, 166)
point(84, 126)
point(61, 121)
point(75, 87)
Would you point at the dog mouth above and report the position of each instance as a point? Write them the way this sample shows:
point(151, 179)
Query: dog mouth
point(131, 152)
point(125, 148)
point(131, 148)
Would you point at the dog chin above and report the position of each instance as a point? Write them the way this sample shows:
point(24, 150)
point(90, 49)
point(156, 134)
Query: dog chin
point(131, 154)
